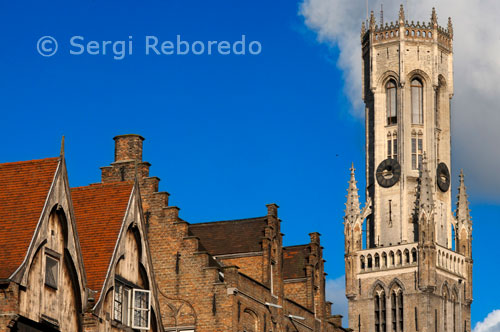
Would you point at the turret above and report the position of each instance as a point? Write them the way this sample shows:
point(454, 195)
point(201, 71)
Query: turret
point(353, 234)
point(463, 234)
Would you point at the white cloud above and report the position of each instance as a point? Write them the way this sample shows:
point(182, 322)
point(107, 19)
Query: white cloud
point(335, 293)
point(475, 110)
point(490, 324)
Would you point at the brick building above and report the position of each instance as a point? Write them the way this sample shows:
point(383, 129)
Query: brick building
point(232, 275)
point(114, 256)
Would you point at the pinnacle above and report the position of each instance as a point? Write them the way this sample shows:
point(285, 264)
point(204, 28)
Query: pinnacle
point(462, 211)
point(352, 204)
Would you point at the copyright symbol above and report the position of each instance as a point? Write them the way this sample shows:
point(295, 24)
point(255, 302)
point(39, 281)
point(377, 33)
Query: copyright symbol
point(46, 46)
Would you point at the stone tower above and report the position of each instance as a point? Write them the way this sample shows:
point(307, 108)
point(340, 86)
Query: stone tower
point(414, 270)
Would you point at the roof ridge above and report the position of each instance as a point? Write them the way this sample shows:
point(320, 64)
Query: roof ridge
point(227, 221)
point(296, 245)
point(100, 184)
point(29, 161)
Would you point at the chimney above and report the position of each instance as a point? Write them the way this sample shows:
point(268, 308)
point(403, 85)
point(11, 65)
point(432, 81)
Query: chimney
point(128, 147)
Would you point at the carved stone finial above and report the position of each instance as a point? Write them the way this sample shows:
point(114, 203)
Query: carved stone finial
point(352, 207)
point(401, 14)
point(462, 212)
point(450, 27)
point(434, 19)
point(372, 20)
point(363, 28)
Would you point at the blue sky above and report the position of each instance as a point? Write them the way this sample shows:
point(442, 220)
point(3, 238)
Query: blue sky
point(227, 134)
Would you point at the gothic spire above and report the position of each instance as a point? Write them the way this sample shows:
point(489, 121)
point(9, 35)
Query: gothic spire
point(462, 213)
point(425, 199)
point(401, 14)
point(352, 208)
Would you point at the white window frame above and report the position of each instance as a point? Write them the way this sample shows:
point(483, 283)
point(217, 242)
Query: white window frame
point(135, 308)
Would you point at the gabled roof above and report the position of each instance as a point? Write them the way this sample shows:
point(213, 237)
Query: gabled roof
point(294, 261)
point(24, 187)
point(231, 236)
point(99, 213)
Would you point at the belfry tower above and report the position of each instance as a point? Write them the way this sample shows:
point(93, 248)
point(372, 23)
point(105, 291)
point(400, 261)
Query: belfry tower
point(413, 269)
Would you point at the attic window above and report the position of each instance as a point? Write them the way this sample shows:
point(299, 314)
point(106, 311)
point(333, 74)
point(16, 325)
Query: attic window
point(51, 271)
point(141, 309)
point(132, 306)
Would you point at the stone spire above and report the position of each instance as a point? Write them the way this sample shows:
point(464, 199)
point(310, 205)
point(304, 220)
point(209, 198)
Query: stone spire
point(401, 14)
point(425, 199)
point(434, 19)
point(462, 213)
point(352, 207)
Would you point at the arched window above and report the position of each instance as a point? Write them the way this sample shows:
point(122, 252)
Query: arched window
point(417, 102)
point(392, 102)
point(397, 310)
point(380, 310)
point(445, 309)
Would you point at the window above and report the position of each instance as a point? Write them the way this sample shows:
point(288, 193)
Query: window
point(392, 146)
point(141, 309)
point(391, 100)
point(380, 311)
point(397, 310)
point(416, 150)
point(132, 306)
point(51, 271)
point(417, 102)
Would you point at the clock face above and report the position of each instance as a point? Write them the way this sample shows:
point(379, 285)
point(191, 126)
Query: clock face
point(443, 177)
point(388, 173)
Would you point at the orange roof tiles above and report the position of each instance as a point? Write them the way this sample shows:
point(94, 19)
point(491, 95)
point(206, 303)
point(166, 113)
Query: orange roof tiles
point(99, 212)
point(24, 187)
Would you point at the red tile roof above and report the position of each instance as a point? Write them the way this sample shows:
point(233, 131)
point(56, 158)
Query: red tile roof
point(294, 261)
point(99, 212)
point(24, 187)
point(231, 236)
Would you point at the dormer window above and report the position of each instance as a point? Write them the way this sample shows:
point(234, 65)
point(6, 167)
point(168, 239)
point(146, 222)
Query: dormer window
point(391, 100)
point(132, 306)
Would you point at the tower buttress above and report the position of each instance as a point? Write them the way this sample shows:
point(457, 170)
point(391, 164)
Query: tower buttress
point(426, 222)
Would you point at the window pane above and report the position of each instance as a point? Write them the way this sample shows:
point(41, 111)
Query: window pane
point(416, 102)
point(395, 149)
point(141, 309)
point(413, 145)
point(51, 271)
point(413, 161)
point(419, 145)
point(389, 152)
point(118, 303)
